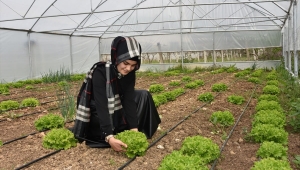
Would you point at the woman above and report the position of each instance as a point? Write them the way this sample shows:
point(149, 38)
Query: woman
point(108, 103)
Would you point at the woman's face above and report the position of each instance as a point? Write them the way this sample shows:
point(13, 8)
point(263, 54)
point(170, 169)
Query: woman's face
point(126, 66)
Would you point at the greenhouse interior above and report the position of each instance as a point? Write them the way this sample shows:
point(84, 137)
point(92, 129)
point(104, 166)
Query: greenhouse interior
point(215, 86)
point(41, 36)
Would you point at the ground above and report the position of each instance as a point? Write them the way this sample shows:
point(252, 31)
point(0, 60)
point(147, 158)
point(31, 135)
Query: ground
point(186, 116)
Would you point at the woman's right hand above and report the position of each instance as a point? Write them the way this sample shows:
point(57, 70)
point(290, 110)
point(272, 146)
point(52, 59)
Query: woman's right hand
point(116, 144)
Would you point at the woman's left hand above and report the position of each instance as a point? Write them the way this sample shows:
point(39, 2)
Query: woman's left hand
point(135, 129)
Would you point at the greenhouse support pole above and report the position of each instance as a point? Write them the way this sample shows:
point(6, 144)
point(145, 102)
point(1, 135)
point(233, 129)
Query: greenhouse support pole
point(30, 57)
point(289, 52)
point(99, 42)
point(181, 50)
point(295, 37)
point(71, 54)
point(214, 51)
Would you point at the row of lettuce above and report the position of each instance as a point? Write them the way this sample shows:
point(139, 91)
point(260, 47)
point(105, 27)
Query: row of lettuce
point(268, 126)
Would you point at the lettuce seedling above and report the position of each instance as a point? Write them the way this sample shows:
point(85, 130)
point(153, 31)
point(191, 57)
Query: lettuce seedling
point(49, 121)
point(59, 139)
point(272, 149)
point(271, 163)
point(136, 142)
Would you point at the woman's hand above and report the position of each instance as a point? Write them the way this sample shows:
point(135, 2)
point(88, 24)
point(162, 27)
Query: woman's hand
point(135, 129)
point(116, 144)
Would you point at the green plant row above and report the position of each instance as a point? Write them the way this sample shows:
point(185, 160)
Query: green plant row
point(268, 129)
point(11, 104)
point(165, 97)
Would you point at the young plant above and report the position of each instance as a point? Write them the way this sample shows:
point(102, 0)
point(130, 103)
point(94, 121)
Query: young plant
point(219, 87)
point(191, 85)
point(271, 163)
point(30, 102)
point(4, 89)
point(177, 160)
point(273, 82)
point(272, 149)
point(199, 82)
point(9, 105)
point(257, 73)
point(268, 105)
point(268, 97)
point(268, 132)
point(271, 77)
point(236, 99)
point(137, 143)
point(18, 84)
point(222, 118)
point(202, 147)
point(66, 103)
point(59, 139)
point(159, 99)
point(29, 87)
point(254, 80)
point(186, 79)
point(49, 121)
point(156, 88)
point(206, 97)
point(175, 83)
point(273, 117)
point(271, 89)
point(294, 116)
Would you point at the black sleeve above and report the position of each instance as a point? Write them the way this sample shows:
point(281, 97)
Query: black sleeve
point(99, 93)
point(128, 103)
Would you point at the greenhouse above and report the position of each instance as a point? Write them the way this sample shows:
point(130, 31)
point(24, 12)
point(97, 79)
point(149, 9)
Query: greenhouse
point(200, 60)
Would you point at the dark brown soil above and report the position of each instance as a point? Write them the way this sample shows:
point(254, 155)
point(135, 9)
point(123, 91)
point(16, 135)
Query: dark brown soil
point(237, 153)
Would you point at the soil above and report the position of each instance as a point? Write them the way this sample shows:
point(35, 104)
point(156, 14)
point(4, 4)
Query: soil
point(186, 116)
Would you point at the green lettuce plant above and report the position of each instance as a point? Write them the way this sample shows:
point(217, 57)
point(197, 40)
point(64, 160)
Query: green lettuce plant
point(202, 147)
point(272, 149)
point(191, 85)
point(268, 132)
point(175, 83)
point(268, 97)
point(278, 119)
point(268, 105)
point(136, 142)
point(236, 99)
point(186, 79)
point(254, 80)
point(30, 102)
point(206, 97)
point(271, 89)
point(156, 88)
point(222, 118)
point(273, 82)
point(49, 121)
point(9, 105)
point(271, 164)
point(219, 87)
point(177, 160)
point(59, 139)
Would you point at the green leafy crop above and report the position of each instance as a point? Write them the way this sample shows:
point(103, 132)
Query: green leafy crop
point(186, 79)
point(271, 76)
point(202, 147)
point(219, 87)
point(175, 83)
point(271, 89)
point(272, 149)
point(191, 85)
point(177, 161)
point(268, 97)
point(49, 121)
point(223, 118)
point(59, 139)
point(9, 105)
point(273, 82)
point(271, 164)
point(206, 97)
point(257, 73)
point(156, 88)
point(4, 89)
point(254, 80)
point(236, 99)
point(136, 142)
point(159, 99)
point(30, 102)
point(273, 117)
point(268, 105)
point(268, 132)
